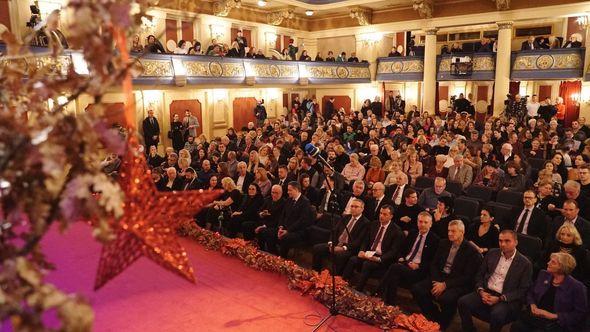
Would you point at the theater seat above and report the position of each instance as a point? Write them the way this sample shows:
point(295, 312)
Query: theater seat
point(423, 182)
point(536, 163)
point(454, 188)
point(509, 197)
point(466, 209)
point(502, 213)
point(530, 246)
point(480, 193)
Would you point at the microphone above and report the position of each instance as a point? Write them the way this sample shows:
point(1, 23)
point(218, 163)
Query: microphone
point(314, 151)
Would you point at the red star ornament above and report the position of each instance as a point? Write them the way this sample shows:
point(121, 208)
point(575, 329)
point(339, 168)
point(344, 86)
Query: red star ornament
point(148, 225)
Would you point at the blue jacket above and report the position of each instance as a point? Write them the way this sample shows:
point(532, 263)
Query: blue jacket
point(571, 302)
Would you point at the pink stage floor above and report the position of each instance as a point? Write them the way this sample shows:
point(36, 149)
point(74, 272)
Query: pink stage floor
point(228, 295)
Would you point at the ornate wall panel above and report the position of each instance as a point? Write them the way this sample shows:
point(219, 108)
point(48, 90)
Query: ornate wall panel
point(484, 67)
point(400, 69)
point(563, 63)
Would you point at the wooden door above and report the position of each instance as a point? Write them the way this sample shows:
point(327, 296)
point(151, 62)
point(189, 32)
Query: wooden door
point(339, 101)
point(243, 112)
point(171, 32)
point(187, 31)
point(180, 106)
point(544, 92)
point(114, 113)
point(482, 92)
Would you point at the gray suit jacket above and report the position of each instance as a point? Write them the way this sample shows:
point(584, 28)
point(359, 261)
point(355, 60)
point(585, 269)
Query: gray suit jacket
point(518, 279)
point(464, 176)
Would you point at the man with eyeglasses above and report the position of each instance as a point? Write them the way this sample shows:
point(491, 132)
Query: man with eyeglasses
point(377, 201)
point(529, 220)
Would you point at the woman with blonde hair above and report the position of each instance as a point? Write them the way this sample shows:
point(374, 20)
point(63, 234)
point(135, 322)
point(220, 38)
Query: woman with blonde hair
point(556, 301)
point(568, 240)
point(353, 170)
point(413, 167)
point(375, 173)
point(438, 169)
point(222, 208)
point(261, 179)
point(253, 162)
point(396, 169)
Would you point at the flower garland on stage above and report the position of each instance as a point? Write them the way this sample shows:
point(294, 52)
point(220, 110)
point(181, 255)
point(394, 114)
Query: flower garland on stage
point(318, 285)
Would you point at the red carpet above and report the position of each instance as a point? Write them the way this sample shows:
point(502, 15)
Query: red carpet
point(228, 295)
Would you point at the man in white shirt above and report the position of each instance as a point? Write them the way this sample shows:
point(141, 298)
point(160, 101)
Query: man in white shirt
point(501, 285)
point(533, 107)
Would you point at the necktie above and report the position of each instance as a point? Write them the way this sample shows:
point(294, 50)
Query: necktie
point(416, 247)
point(343, 239)
point(522, 221)
point(152, 121)
point(377, 238)
point(456, 172)
point(377, 205)
point(395, 193)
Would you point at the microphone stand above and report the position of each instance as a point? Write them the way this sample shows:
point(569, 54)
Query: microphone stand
point(332, 208)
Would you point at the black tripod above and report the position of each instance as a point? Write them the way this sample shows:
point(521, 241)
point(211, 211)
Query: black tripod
point(332, 209)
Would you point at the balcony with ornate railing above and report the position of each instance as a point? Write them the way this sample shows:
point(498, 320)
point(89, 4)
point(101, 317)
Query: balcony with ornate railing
point(168, 69)
point(408, 68)
point(479, 67)
point(564, 63)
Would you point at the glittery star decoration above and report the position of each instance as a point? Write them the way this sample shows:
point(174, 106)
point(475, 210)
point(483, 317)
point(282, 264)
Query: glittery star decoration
point(148, 226)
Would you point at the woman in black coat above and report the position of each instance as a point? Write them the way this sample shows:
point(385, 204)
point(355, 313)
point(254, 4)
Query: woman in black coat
point(175, 133)
point(247, 211)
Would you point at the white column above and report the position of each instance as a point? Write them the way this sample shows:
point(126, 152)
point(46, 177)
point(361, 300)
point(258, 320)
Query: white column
point(429, 99)
point(502, 82)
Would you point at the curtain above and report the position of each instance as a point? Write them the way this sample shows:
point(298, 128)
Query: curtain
point(514, 89)
point(572, 108)
point(437, 98)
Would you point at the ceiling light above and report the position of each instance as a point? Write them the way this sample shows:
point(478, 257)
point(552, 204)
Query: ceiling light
point(261, 3)
point(309, 12)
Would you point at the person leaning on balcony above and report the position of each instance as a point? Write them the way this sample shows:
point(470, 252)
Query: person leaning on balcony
point(394, 52)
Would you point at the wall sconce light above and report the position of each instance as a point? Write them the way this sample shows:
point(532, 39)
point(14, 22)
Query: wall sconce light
point(217, 31)
point(370, 39)
point(262, 3)
point(148, 25)
point(583, 21)
point(309, 12)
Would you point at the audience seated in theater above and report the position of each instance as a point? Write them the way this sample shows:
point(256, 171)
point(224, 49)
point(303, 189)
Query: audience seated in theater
point(429, 197)
point(570, 214)
point(394, 52)
point(573, 42)
point(461, 173)
point(530, 44)
point(452, 275)
point(442, 215)
point(568, 240)
point(347, 241)
point(353, 57)
point(556, 301)
point(376, 201)
point(268, 217)
point(406, 215)
point(500, 287)
point(296, 217)
point(397, 191)
point(483, 233)
point(379, 249)
point(572, 190)
point(330, 57)
point(490, 176)
point(248, 210)
point(528, 219)
point(416, 254)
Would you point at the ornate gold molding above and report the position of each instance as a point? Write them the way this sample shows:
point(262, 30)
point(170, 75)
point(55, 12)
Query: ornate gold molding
point(502, 4)
point(223, 7)
point(425, 8)
point(363, 15)
point(505, 24)
point(277, 17)
point(431, 31)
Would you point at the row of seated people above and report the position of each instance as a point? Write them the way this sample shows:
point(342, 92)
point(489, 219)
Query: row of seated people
point(282, 223)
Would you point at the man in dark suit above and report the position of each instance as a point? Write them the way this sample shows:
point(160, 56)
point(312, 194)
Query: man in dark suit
point(416, 254)
point(452, 274)
point(329, 109)
point(377, 201)
point(529, 44)
point(406, 215)
point(243, 178)
point(345, 243)
point(283, 179)
point(269, 214)
point(501, 285)
point(190, 180)
point(529, 219)
point(573, 43)
point(151, 130)
point(297, 216)
point(570, 211)
point(397, 191)
point(378, 251)
point(358, 189)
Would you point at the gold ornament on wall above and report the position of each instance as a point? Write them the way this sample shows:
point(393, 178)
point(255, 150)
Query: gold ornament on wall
point(425, 8)
point(277, 17)
point(363, 15)
point(502, 4)
point(223, 7)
